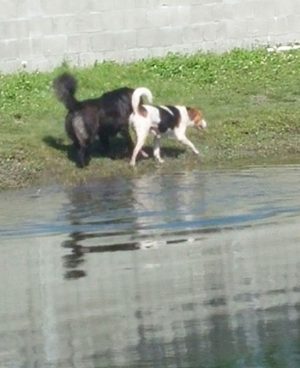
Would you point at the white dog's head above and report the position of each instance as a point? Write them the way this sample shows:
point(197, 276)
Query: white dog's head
point(196, 117)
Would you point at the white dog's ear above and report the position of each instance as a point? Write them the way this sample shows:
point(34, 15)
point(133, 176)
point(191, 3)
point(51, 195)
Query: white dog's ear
point(194, 114)
point(196, 117)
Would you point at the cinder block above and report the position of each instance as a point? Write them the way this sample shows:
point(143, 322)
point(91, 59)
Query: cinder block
point(102, 5)
point(241, 29)
point(63, 24)
point(201, 14)
point(40, 63)
point(211, 31)
point(137, 54)
point(87, 58)
point(34, 8)
point(9, 10)
point(242, 10)
point(37, 46)
point(281, 8)
point(114, 20)
point(40, 26)
point(88, 22)
point(54, 45)
point(257, 28)
point(24, 48)
point(293, 22)
point(148, 37)
point(158, 51)
point(194, 33)
point(9, 65)
point(124, 40)
point(78, 43)
point(135, 19)
point(124, 4)
point(179, 15)
point(169, 36)
point(9, 49)
point(222, 11)
point(264, 9)
point(169, 3)
point(147, 4)
point(158, 17)
point(169, 16)
point(14, 29)
point(55, 7)
point(101, 41)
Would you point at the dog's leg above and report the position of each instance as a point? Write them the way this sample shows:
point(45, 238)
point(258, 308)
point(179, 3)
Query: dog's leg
point(144, 153)
point(81, 160)
point(156, 149)
point(183, 139)
point(104, 139)
point(130, 144)
point(141, 137)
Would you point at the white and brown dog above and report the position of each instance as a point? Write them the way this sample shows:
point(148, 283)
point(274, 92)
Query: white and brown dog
point(160, 120)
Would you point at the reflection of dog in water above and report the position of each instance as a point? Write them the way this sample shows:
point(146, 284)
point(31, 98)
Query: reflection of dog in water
point(73, 261)
point(104, 116)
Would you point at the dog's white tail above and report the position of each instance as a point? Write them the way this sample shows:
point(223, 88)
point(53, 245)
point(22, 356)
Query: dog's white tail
point(137, 95)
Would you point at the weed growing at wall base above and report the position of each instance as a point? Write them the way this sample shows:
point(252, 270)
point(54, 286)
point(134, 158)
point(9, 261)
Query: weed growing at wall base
point(251, 100)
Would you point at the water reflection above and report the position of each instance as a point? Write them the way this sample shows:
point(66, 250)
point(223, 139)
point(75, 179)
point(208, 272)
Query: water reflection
point(189, 270)
point(123, 216)
point(120, 215)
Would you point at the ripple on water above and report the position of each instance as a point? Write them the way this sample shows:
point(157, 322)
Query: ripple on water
point(217, 284)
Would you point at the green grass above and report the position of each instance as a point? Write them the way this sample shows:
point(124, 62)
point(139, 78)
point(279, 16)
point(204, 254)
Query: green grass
point(251, 101)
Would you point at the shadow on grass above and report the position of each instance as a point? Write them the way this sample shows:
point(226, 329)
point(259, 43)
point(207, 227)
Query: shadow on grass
point(118, 149)
point(57, 143)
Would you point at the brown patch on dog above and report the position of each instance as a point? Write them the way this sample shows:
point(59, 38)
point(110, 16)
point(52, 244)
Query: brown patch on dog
point(195, 115)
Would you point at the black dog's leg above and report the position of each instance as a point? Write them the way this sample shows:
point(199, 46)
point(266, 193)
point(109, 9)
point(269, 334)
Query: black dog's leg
point(104, 139)
point(82, 154)
point(129, 142)
point(81, 158)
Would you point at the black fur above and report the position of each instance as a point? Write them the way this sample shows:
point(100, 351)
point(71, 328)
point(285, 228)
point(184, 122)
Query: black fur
point(104, 116)
point(168, 119)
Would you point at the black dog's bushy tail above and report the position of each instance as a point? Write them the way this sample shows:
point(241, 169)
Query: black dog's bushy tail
point(65, 87)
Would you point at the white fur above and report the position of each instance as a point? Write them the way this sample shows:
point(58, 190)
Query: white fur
point(144, 124)
point(137, 95)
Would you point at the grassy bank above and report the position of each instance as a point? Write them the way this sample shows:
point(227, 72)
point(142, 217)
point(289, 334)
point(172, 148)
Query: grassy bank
point(251, 100)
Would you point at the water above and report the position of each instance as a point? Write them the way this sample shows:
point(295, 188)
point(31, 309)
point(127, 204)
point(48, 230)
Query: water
point(194, 269)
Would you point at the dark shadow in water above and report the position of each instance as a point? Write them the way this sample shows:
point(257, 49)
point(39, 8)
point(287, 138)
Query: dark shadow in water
point(72, 262)
point(76, 259)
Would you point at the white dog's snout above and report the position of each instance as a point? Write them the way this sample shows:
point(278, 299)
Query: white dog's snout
point(204, 124)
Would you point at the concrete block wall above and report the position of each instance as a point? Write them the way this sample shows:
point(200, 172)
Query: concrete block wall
point(42, 33)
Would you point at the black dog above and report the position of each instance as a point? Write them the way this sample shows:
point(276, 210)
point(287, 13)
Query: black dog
point(104, 116)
